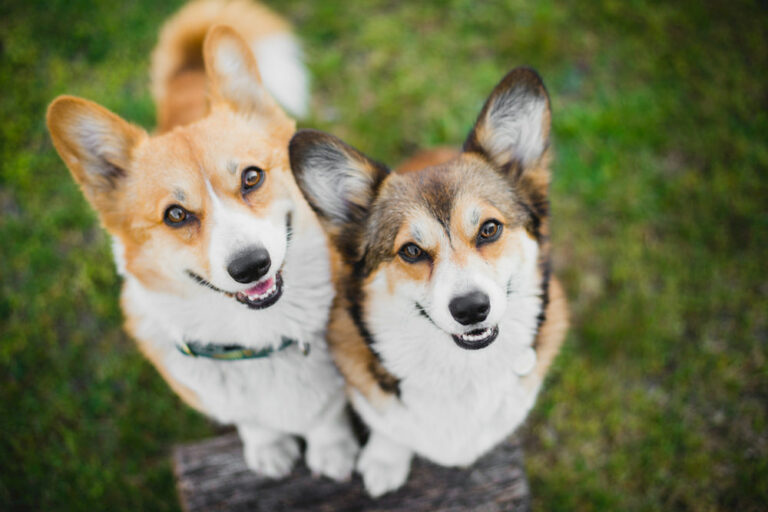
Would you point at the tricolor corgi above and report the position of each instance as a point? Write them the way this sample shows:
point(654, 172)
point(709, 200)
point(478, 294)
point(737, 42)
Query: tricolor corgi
point(227, 277)
point(446, 317)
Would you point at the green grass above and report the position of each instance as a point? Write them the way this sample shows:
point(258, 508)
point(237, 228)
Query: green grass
point(660, 202)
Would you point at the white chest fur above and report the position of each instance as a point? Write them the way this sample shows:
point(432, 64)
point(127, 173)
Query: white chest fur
point(455, 404)
point(285, 391)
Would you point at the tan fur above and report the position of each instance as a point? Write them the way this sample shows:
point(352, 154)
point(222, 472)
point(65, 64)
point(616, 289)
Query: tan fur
point(428, 158)
point(350, 352)
point(153, 172)
point(177, 72)
point(186, 101)
point(353, 356)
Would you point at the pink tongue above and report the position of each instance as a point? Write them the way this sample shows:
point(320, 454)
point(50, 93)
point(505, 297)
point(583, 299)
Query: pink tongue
point(261, 287)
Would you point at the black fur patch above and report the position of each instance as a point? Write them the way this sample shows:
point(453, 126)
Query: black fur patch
point(423, 312)
point(288, 229)
point(355, 295)
point(546, 273)
point(534, 222)
point(387, 382)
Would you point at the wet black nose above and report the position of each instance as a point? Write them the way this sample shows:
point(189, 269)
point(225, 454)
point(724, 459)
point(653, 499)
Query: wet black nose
point(250, 265)
point(471, 308)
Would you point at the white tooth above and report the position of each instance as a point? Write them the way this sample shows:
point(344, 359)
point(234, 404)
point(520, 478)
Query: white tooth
point(474, 337)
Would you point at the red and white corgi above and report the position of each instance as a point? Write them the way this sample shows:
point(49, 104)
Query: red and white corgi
point(221, 256)
point(446, 317)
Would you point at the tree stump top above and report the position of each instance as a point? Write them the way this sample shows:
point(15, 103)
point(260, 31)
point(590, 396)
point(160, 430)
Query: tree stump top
point(211, 475)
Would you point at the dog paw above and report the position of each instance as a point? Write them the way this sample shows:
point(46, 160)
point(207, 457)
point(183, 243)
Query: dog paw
point(335, 460)
point(382, 474)
point(274, 460)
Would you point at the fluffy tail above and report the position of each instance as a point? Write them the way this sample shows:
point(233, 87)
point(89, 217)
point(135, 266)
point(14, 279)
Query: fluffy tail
point(178, 75)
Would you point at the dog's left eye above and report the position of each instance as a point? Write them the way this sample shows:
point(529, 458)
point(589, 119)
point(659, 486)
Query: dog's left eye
point(412, 253)
point(489, 232)
point(176, 216)
point(252, 178)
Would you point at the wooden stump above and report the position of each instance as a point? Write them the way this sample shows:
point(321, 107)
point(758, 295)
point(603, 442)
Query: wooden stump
point(211, 475)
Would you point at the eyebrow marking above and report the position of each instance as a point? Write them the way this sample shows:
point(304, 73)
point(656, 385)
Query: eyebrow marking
point(416, 234)
point(179, 195)
point(232, 166)
point(475, 217)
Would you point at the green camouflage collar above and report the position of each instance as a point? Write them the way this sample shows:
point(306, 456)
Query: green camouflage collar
point(234, 352)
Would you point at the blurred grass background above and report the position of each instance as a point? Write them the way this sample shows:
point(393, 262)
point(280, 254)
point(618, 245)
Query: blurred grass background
point(660, 203)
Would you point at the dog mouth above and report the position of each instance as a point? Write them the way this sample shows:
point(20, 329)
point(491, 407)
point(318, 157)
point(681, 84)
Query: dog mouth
point(470, 340)
point(476, 338)
point(264, 294)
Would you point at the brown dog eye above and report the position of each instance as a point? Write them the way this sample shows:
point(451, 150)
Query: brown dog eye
point(252, 178)
point(175, 215)
point(411, 253)
point(489, 232)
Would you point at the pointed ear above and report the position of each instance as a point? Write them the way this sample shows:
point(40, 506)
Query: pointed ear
point(95, 144)
point(338, 181)
point(512, 130)
point(233, 73)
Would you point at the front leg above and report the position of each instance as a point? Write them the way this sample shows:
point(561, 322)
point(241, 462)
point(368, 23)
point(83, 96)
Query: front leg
point(268, 452)
point(384, 464)
point(331, 444)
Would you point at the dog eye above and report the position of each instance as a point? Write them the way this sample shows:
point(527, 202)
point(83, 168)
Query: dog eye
point(411, 253)
point(176, 216)
point(489, 232)
point(252, 178)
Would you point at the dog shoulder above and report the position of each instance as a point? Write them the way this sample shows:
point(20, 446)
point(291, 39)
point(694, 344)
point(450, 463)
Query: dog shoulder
point(356, 360)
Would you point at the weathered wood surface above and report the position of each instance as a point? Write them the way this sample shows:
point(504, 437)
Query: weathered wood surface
point(212, 476)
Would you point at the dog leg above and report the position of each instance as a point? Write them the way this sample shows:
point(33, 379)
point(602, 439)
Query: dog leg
point(383, 464)
point(331, 445)
point(268, 452)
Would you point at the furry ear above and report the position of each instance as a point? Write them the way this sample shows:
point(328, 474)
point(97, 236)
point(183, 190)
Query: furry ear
point(512, 130)
point(233, 73)
point(338, 181)
point(95, 144)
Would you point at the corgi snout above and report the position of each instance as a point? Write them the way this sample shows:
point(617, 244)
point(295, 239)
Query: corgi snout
point(470, 308)
point(249, 265)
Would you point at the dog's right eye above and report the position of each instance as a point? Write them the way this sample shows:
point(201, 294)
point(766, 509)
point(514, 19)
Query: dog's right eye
point(176, 216)
point(411, 253)
point(252, 178)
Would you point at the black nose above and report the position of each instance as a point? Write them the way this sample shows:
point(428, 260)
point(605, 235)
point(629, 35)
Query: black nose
point(250, 265)
point(471, 308)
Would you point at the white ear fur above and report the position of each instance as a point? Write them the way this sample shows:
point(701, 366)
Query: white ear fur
point(282, 69)
point(233, 73)
point(95, 144)
point(513, 126)
point(337, 180)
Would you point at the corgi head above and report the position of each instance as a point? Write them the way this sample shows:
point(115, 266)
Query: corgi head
point(207, 203)
point(448, 244)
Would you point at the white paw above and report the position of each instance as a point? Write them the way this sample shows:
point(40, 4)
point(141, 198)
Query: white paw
point(334, 460)
point(382, 474)
point(275, 459)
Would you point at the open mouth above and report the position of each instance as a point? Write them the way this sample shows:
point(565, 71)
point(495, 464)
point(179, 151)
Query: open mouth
point(476, 339)
point(264, 294)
